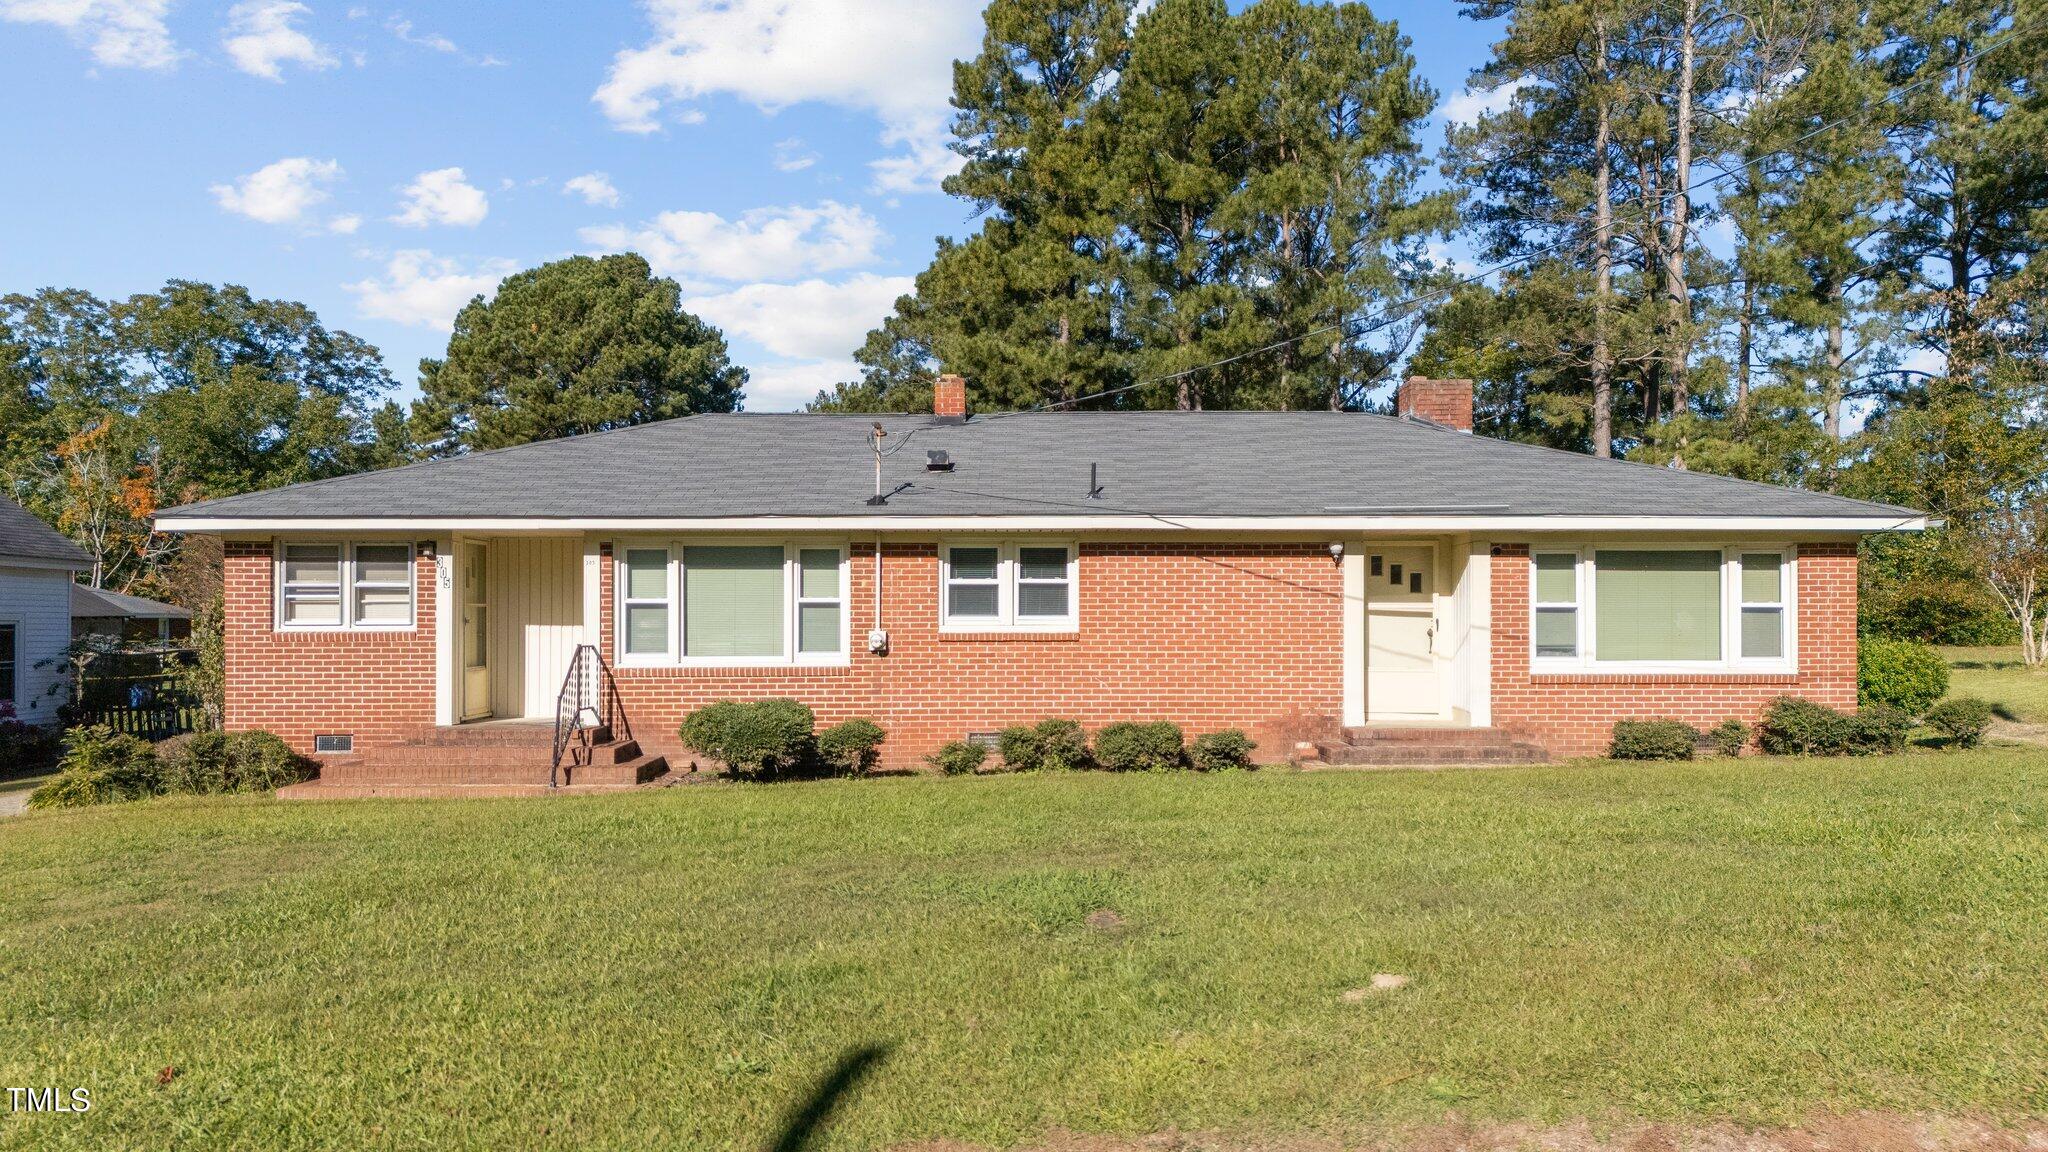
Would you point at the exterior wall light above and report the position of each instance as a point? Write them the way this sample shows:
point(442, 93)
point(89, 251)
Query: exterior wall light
point(1336, 552)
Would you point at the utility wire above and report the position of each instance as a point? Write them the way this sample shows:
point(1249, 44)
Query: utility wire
point(1386, 313)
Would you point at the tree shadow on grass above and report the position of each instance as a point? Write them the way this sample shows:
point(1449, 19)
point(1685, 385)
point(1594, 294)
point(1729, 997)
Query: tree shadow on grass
point(808, 1118)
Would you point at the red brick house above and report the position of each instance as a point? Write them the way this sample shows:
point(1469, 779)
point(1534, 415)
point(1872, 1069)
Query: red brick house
point(1302, 575)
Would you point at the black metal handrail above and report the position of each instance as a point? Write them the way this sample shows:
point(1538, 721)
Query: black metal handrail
point(587, 703)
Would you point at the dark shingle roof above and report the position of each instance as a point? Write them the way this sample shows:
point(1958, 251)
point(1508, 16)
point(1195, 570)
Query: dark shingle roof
point(99, 603)
point(23, 537)
point(1251, 464)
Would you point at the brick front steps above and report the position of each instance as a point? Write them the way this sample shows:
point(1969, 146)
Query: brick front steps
point(1424, 748)
point(503, 758)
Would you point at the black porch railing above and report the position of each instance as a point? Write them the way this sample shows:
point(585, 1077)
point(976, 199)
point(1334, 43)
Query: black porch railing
point(587, 712)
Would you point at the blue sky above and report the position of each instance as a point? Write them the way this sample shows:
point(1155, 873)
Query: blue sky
point(779, 158)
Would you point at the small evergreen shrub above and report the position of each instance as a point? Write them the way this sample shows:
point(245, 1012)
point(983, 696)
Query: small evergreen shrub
point(100, 766)
point(1220, 751)
point(211, 762)
point(1653, 740)
point(958, 758)
point(1729, 737)
point(848, 748)
point(1048, 746)
point(1904, 674)
point(1795, 727)
point(1140, 747)
point(1879, 730)
point(755, 741)
point(1962, 719)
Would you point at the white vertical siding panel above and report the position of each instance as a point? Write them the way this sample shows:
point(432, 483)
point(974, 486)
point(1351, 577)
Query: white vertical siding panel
point(537, 621)
point(38, 602)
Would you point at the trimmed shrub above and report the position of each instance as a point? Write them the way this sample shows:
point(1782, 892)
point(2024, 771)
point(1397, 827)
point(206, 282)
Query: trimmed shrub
point(1730, 737)
point(755, 741)
point(1794, 727)
point(1220, 751)
point(958, 758)
point(1962, 719)
point(1140, 747)
point(1879, 730)
point(848, 747)
point(1048, 746)
point(212, 762)
point(1653, 740)
point(1904, 674)
point(100, 766)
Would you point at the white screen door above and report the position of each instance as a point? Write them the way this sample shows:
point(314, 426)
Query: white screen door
point(476, 633)
point(1400, 634)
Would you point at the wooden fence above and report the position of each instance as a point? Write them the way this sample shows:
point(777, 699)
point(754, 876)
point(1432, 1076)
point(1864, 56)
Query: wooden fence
point(150, 698)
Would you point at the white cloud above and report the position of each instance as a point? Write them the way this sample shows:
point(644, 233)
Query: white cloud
point(792, 156)
point(892, 58)
point(118, 33)
point(1472, 103)
point(811, 320)
point(763, 244)
point(595, 188)
point(790, 386)
point(422, 289)
point(260, 37)
point(281, 192)
point(402, 28)
point(345, 225)
point(443, 196)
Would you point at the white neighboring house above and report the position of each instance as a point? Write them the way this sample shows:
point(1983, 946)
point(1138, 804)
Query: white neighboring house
point(37, 569)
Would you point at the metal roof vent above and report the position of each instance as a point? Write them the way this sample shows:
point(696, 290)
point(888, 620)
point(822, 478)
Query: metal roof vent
point(936, 460)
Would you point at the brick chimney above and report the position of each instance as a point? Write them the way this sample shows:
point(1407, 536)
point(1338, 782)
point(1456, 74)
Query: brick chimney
point(1446, 402)
point(949, 397)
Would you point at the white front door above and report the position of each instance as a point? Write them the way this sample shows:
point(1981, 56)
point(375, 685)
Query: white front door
point(1400, 634)
point(476, 632)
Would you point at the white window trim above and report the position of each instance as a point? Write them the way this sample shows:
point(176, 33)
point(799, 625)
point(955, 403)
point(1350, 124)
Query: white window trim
point(792, 588)
point(1007, 578)
point(1731, 659)
point(1582, 639)
point(346, 591)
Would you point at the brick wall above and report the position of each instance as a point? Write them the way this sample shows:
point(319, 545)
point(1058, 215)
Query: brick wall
point(1574, 714)
point(1208, 635)
point(377, 685)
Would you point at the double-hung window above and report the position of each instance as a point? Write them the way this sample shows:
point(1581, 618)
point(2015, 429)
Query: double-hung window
point(10, 662)
point(1008, 586)
point(737, 603)
point(331, 584)
point(1677, 607)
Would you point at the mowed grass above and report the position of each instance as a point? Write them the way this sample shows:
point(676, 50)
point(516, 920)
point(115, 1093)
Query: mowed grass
point(1996, 675)
point(1754, 939)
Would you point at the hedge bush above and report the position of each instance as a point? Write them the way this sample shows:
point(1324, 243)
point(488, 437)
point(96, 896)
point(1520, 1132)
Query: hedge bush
point(1157, 746)
point(100, 766)
point(755, 741)
point(1048, 746)
point(1795, 727)
point(1730, 737)
point(24, 747)
point(1222, 751)
point(206, 763)
point(1963, 719)
point(848, 748)
point(1904, 674)
point(1653, 740)
point(958, 758)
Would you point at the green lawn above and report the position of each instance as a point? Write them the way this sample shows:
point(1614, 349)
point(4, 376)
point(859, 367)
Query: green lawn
point(670, 969)
point(1997, 675)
